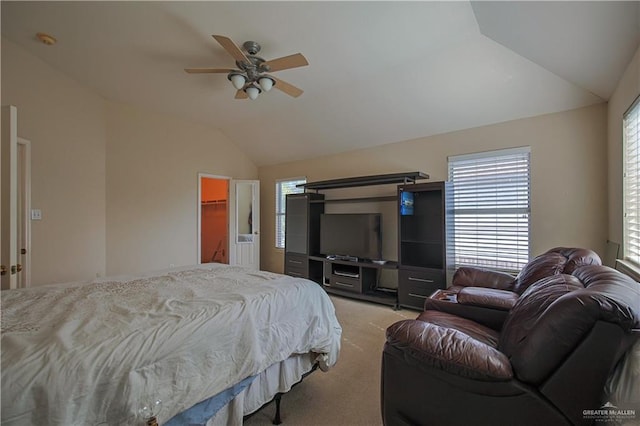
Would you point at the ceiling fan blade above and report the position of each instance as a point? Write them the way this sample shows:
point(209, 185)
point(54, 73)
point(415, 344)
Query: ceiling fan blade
point(208, 70)
point(292, 61)
point(240, 94)
point(287, 88)
point(231, 48)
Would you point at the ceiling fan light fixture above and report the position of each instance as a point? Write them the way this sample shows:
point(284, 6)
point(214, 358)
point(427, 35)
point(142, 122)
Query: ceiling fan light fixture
point(253, 92)
point(249, 77)
point(237, 79)
point(266, 83)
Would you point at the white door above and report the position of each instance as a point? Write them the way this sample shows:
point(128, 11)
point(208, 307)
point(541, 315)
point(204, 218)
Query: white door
point(244, 223)
point(9, 198)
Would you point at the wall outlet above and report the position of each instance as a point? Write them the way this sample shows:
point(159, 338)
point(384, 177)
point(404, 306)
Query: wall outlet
point(36, 214)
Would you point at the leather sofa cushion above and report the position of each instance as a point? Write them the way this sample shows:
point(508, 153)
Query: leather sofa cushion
point(558, 260)
point(487, 297)
point(578, 257)
point(427, 345)
point(620, 298)
point(476, 277)
point(545, 265)
point(479, 332)
point(552, 317)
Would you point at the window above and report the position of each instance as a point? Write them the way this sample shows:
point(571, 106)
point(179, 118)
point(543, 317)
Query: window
point(631, 140)
point(284, 187)
point(490, 206)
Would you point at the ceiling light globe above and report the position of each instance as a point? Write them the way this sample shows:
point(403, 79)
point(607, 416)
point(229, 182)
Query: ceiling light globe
point(237, 80)
point(266, 83)
point(252, 92)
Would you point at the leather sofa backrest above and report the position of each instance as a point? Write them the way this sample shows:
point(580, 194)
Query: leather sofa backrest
point(558, 260)
point(554, 315)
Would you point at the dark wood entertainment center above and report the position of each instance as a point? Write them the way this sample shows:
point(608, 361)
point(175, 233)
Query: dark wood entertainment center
point(421, 263)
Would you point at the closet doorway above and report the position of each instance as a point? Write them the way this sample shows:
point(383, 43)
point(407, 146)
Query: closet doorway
point(214, 218)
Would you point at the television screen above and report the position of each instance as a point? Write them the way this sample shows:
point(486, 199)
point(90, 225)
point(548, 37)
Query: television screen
point(352, 234)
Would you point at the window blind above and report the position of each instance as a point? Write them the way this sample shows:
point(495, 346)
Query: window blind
point(284, 187)
point(631, 191)
point(490, 206)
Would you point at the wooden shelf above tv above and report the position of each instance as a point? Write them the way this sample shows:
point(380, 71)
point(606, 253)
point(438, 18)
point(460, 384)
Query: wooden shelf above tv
point(391, 178)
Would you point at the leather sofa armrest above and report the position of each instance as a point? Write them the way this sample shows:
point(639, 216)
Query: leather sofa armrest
point(502, 300)
point(490, 317)
point(429, 345)
point(476, 277)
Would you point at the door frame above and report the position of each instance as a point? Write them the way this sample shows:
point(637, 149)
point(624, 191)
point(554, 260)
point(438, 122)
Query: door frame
point(8, 197)
point(24, 168)
point(199, 208)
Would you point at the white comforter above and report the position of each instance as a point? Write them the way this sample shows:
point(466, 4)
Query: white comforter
point(95, 353)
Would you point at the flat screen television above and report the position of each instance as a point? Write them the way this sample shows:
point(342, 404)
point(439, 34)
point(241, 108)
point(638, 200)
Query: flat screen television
point(351, 234)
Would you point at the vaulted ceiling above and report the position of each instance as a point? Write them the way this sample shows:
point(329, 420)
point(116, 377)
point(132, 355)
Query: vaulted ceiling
point(379, 72)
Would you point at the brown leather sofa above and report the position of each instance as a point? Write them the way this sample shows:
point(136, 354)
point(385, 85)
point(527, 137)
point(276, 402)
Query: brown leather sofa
point(547, 365)
point(486, 296)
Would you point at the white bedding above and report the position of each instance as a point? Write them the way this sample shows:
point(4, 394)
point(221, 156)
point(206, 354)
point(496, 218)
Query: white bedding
point(95, 352)
point(276, 378)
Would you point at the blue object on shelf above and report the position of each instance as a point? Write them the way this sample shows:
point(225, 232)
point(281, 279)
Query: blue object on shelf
point(406, 203)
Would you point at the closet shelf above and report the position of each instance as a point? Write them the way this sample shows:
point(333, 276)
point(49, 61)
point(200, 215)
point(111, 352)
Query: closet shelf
point(210, 202)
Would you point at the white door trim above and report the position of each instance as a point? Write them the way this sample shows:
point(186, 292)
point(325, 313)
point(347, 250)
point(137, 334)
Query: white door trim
point(8, 212)
point(25, 169)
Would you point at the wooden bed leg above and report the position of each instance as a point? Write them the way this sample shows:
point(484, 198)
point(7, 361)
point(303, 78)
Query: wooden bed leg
point(277, 420)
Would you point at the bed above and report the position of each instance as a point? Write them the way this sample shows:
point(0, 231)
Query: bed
point(213, 342)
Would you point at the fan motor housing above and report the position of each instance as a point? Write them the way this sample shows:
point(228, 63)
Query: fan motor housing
point(252, 47)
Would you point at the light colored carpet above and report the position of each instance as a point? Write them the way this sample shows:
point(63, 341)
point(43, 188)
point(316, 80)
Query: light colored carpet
point(349, 393)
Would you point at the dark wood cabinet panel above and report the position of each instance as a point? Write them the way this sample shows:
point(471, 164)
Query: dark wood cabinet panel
point(302, 229)
point(422, 238)
point(302, 223)
point(296, 265)
point(415, 285)
point(356, 279)
point(421, 241)
point(301, 234)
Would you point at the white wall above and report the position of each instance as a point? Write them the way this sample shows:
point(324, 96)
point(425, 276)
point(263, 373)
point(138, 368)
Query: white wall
point(117, 185)
point(568, 174)
point(627, 90)
point(67, 129)
point(153, 161)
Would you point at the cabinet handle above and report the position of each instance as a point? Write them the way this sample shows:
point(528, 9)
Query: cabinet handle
point(343, 284)
point(418, 295)
point(295, 261)
point(422, 280)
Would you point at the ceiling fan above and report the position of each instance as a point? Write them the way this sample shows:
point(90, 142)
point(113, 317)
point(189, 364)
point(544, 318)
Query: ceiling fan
point(251, 77)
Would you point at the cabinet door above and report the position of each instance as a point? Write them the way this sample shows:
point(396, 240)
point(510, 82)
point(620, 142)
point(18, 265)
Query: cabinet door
point(414, 286)
point(296, 224)
point(296, 265)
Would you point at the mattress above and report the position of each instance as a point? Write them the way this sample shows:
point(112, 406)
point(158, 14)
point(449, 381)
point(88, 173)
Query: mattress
point(96, 352)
